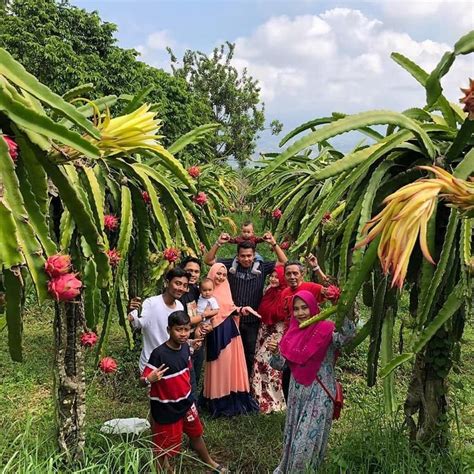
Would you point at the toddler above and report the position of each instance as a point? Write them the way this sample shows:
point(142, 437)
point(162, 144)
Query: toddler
point(207, 305)
point(247, 234)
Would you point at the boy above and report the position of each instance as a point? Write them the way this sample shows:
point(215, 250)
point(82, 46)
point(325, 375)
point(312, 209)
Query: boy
point(247, 234)
point(172, 405)
point(207, 305)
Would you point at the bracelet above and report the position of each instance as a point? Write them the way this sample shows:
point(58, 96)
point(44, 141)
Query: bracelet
point(218, 244)
point(316, 268)
point(274, 245)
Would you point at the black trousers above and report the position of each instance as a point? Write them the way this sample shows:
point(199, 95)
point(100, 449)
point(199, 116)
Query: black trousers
point(285, 381)
point(248, 332)
point(196, 369)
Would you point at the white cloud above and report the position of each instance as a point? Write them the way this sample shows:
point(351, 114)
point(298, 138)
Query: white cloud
point(457, 14)
point(154, 52)
point(311, 65)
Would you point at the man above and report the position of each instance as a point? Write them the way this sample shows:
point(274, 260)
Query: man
point(153, 320)
point(294, 276)
point(192, 265)
point(246, 286)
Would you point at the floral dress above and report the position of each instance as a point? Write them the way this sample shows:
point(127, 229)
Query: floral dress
point(309, 415)
point(266, 381)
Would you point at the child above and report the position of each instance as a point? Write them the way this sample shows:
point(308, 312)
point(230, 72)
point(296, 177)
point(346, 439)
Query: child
point(172, 405)
point(207, 305)
point(247, 233)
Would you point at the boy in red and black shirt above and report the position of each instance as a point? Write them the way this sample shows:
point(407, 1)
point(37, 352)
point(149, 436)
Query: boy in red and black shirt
point(172, 404)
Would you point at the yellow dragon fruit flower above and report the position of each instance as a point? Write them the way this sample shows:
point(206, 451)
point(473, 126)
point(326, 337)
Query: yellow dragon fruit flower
point(406, 215)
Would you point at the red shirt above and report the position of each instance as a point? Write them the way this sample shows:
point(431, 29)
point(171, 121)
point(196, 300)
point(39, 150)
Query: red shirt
point(287, 296)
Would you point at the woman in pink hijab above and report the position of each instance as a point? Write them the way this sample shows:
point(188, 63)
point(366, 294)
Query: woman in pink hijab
point(310, 354)
point(226, 390)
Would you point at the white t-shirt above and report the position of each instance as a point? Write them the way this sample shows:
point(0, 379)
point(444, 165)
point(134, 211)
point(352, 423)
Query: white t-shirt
point(153, 323)
point(204, 303)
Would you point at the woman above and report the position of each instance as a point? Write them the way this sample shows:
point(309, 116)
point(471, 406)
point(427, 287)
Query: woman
point(310, 353)
point(266, 382)
point(226, 390)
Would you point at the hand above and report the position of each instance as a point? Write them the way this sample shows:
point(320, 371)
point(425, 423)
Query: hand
point(196, 343)
point(157, 374)
point(245, 310)
point(135, 303)
point(272, 346)
point(312, 261)
point(223, 238)
point(268, 237)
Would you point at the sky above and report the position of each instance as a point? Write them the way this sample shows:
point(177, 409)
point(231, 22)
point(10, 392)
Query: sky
point(310, 57)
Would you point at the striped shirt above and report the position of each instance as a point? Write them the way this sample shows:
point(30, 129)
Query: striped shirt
point(170, 397)
point(246, 287)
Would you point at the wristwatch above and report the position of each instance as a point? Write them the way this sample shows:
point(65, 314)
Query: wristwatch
point(147, 382)
point(316, 268)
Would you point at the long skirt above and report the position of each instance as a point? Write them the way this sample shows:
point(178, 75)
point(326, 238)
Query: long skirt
point(266, 383)
point(226, 390)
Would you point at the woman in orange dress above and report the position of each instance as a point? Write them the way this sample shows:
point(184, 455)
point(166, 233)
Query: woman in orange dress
point(226, 390)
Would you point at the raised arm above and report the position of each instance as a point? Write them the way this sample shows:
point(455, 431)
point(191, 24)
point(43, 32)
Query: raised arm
point(144, 319)
point(210, 257)
point(268, 237)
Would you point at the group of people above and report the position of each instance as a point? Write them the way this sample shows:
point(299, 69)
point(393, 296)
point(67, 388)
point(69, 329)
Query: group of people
point(245, 333)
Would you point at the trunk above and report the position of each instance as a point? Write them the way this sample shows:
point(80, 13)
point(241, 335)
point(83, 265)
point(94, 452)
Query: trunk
point(70, 388)
point(427, 396)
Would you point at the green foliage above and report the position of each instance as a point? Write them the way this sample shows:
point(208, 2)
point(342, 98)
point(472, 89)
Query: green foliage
point(234, 98)
point(64, 47)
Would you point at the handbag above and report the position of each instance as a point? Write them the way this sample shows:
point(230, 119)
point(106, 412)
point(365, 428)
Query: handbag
point(338, 400)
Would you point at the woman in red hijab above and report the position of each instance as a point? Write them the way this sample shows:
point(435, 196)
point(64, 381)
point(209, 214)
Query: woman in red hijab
point(310, 354)
point(266, 383)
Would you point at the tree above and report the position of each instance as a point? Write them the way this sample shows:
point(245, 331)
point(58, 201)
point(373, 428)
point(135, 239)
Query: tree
point(233, 96)
point(65, 46)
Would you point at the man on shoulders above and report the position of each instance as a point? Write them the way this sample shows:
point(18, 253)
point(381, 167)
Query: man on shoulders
point(247, 286)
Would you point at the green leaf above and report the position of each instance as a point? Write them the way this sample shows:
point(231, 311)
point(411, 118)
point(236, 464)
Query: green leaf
point(80, 212)
point(137, 100)
point(66, 228)
point(91, 294)
point(32, 198)
point(466, 167)
point(193, 137)
point(450, 306)
point(386, 355)
point(462, 139)
point(353, 159)
point(442, 266)
point(422, 76)
point(324, 314)
point(14, 289)
point(28, 244)
point(126, 225)
point(377, 318)
point(465, 45)
point(394, 363)
point(17, 74)
point(433, 84)
point(9, 249)
point(78, 91)
point(29, 119)
point(357, 275)
point(347, 124)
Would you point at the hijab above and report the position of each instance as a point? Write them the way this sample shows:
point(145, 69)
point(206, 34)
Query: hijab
point(222, 294)
point(270, 303)
point(305, 349)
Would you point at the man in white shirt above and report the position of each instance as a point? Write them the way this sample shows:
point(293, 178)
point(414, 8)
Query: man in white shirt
point(153, 319)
